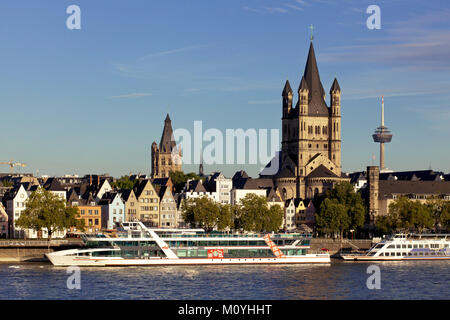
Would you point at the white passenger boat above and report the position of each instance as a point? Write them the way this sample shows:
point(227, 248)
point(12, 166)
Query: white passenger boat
point(407, 247)
point(138, 245)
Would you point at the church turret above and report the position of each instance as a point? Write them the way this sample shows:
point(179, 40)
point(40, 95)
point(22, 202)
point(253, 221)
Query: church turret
point(287, 99)
point(303, 91)
point(335, 95)
point(335, 124)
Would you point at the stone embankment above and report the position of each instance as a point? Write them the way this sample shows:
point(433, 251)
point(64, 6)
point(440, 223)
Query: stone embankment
point(336, 246)
point(33, 250)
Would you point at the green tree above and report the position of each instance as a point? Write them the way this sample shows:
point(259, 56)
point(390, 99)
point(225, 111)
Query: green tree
point(202, 212)
point(124, 183)
point(440, 210)
point(405, 215)
point(350, 202)
point(333, 217)
point(225, 218)
point(179, 179)
point(45, 210)
point(254, 214)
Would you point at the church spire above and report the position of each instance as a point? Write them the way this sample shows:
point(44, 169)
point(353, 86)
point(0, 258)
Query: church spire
point(316, 93)
point(167, 140)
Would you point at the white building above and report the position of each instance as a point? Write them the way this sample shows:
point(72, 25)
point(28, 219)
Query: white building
point(220, 187)
point(238, 194)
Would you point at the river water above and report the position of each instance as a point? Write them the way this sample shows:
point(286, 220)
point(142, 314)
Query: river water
point(338, 280)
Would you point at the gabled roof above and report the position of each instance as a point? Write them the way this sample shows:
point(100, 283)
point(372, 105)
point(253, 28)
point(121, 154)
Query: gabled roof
point(140, 186)
point(316, 102)
point(52, 184)
point(273, 196)
point(108, 198)
point(195, 186)
point(322, 172)
point(126, 194)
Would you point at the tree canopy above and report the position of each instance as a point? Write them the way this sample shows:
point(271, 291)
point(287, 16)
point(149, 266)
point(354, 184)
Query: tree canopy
point(409, 215)
point(207, 214)
point(254, 214)
point(179, 179)
point(45, 210)
point(340, 209)
point(124, 183)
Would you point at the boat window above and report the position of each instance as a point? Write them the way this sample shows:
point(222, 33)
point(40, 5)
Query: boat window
point(404, 246)
point(398, 246)
point(409, 246)
point(391, 246)
point(398, 254)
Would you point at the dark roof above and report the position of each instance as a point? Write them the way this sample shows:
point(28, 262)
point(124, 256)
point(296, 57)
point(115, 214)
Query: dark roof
point(53, 184)
point(388, 187)
point(107, 198)
point(303, 85)
point(126, 194)
point(356, 176)
point(285, 173)
point(322, 172)
point(195, 186)
point(272, 195)
point(240, 174)
point(316, 102)
point(167, 143)
point(161, 181)
point(260, 183)
point(419, 175)
point(335, 86)
point(140, 186)
point(287, 89)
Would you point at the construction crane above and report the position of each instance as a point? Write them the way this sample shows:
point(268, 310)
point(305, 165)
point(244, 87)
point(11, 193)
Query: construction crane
point(13, 164)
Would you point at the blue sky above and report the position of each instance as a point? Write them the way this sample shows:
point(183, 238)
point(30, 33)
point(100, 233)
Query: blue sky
point(93, 100)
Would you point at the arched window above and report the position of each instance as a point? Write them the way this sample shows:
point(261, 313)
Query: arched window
point(316, 192)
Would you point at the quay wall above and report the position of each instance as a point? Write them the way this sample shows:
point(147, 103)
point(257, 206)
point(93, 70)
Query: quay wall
point(335, 246)
point(33, 250)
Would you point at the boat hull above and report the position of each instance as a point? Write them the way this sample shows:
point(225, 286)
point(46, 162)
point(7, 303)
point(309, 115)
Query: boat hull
point(60, 260)
point(375, 258)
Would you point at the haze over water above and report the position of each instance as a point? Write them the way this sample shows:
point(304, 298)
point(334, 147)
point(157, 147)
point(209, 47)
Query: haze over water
point(339, 280)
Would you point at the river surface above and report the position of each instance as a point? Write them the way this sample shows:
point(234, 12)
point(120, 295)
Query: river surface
point(338, 280)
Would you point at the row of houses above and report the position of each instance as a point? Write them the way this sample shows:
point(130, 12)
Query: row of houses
point(152, 201)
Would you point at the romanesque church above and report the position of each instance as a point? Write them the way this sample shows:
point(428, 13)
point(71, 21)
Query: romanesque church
point(310, 157)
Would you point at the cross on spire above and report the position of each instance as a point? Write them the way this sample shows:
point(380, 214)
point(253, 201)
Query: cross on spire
point(311, 27)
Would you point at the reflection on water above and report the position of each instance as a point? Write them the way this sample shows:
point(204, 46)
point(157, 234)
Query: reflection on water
point(339, 280)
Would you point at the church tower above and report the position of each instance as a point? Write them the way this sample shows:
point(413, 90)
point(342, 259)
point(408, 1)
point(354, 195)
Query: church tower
point(310, 158)
point(166, 157)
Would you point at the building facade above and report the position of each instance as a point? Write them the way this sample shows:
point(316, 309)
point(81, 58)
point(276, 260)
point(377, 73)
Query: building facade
point(148, 203)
